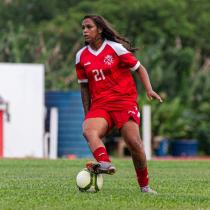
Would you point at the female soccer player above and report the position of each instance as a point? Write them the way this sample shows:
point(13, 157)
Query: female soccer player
point(109, 95)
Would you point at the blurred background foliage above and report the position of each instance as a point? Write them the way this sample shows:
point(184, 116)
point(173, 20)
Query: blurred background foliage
point(173, 37)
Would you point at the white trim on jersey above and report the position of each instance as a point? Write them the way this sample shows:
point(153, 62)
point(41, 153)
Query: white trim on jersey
point(136, 66)
point(79, 54)
point(97, 52)
point(82, 80)
point(117, 47)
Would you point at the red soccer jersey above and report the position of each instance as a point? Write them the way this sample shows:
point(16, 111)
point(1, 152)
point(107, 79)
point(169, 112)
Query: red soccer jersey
point(108, 73)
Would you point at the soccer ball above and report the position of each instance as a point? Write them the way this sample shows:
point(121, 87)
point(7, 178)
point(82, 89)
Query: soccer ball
point(89, 182)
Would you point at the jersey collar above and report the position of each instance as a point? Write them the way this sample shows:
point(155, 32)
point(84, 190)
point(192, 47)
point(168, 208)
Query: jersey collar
point(97, 52)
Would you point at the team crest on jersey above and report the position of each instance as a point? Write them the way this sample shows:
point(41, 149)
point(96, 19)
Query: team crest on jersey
point(108, 60)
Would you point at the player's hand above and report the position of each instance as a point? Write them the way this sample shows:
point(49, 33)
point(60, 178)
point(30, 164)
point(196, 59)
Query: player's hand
point(152, 94)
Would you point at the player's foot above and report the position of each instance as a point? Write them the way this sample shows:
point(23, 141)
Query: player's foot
point(147, 189)
point(101, 168)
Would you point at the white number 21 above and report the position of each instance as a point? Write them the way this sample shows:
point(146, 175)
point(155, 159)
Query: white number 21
point(98, 75)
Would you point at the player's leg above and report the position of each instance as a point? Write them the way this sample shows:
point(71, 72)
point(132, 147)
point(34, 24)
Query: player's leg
point(131, 135)
point(128, 122)
point(94, 129)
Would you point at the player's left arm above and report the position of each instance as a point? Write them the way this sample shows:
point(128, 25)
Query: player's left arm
point(144, 77)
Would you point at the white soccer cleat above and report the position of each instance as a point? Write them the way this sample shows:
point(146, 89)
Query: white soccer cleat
point(101, 168)
point(147, 189)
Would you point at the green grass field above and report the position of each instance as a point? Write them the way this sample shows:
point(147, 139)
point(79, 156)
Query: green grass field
point(50, 184)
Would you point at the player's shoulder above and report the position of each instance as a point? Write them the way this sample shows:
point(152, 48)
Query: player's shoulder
point(79, 53)
point(117, 47)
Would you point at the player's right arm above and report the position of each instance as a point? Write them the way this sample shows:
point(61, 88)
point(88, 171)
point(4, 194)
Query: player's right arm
point(83, 81)
point(85, 94)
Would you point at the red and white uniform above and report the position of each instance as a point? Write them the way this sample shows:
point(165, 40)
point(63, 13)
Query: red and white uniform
point(108, 73)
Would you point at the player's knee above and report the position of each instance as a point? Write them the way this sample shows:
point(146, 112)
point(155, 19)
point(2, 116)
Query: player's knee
point(136, 144)
point(89, 134)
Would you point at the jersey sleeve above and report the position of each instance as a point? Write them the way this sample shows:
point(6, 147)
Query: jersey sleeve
point(130, 60)
point(126, 57)
point(80, 71)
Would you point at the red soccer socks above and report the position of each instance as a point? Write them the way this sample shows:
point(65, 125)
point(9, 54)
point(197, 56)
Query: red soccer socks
point(142, 177)
point(100, 154)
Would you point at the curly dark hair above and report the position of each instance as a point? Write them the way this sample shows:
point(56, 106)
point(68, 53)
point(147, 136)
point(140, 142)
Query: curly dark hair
point(108, 32)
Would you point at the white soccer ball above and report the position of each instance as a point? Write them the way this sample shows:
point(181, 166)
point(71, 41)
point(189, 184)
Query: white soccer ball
point(89, 182)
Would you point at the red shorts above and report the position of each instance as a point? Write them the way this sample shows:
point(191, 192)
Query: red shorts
point(118, 118)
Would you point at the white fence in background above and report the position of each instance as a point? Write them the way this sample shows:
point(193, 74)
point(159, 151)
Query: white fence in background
point(22, 86)
point(51, 137)
point(147, 131)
